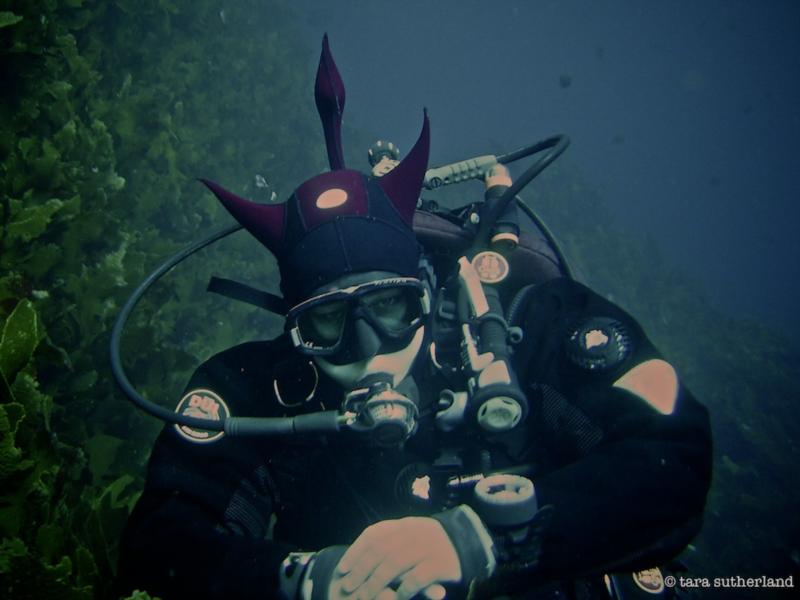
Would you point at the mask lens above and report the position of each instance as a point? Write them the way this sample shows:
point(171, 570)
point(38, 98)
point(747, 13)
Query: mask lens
point(322, 325)
point(394, 309)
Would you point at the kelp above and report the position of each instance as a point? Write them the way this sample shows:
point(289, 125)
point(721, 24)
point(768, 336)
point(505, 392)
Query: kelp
point(23, 576)
point(43, 552)
point(108, 113)
point(8, 18)
point(21, 334)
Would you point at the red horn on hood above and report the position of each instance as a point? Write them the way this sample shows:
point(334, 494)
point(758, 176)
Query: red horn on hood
point(403, 183)
point(329, 96)
point(264, 221)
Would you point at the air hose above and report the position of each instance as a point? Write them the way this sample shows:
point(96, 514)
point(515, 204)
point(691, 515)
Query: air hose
point(555, 146)
point(327, 421)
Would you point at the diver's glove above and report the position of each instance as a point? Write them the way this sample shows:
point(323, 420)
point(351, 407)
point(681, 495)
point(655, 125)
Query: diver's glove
point(308, 575)
point(415, 555)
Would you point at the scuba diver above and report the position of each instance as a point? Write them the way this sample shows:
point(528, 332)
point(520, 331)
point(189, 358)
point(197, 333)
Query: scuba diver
point(448, 413)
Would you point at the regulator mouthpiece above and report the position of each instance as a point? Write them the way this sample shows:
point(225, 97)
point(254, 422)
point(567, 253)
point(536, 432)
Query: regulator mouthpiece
point(386, 413)
point(393, 417)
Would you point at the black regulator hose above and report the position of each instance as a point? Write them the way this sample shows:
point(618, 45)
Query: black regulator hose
point(555, 146)
point(327, 421)
point(549, 238)
point(119, 325)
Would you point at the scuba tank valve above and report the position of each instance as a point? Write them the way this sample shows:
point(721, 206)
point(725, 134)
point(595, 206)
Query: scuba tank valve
point(472, 168)
point(383, 157)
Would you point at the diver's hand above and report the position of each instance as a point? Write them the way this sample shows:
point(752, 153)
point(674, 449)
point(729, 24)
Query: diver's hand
point(414, 552)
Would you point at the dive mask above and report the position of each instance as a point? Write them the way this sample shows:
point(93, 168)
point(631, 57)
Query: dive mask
point(394, 308)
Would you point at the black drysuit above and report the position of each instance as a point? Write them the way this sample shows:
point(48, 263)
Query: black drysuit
point(626, 483)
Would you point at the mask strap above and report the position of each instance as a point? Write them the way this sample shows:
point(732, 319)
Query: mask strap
point(245, 293)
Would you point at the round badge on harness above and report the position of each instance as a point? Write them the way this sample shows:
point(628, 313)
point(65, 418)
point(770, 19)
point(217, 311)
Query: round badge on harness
point(490, 266)
point(649, 580)
point(202, 404)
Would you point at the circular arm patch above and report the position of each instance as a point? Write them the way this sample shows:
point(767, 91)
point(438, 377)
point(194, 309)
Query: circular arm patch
point(202, 404)
point(598, 344)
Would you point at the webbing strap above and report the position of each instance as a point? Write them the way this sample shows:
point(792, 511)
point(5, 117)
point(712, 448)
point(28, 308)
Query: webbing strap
point(245, 293)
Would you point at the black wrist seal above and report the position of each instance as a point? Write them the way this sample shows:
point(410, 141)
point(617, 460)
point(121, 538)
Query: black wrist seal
point(307, 575)
point(471, 541)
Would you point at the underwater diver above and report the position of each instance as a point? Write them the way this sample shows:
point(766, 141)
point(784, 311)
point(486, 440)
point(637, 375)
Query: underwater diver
point(461, 462)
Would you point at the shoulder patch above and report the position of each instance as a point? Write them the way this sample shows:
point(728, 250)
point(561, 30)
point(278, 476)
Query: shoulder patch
point(654, 381)
point(202, 404)
point(598, 344)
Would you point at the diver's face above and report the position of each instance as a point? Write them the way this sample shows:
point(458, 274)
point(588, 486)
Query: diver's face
point(358, 316)
point(362, 320)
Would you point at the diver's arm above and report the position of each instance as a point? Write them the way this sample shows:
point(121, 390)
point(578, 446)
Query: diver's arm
point(634, 501)
point(630, 491)
point(174, 548)
point(201, 527)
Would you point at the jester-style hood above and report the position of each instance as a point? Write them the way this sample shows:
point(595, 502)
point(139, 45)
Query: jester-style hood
point(342, 221)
